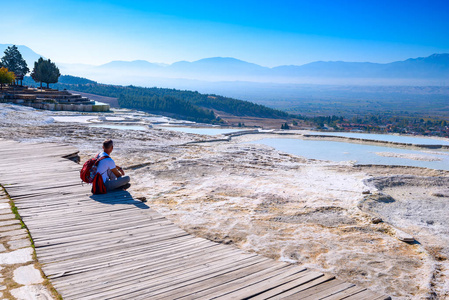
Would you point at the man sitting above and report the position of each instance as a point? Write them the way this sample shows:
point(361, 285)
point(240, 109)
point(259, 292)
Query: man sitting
point(113, 176)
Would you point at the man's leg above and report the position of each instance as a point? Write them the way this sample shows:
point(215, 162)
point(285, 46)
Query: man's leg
point(116, 183)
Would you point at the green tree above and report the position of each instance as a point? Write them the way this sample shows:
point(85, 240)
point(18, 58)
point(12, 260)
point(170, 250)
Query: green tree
point(45, 71)
point(6, 77)
point(14, 62)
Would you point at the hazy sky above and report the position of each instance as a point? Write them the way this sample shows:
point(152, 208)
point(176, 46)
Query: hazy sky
point(268, 33)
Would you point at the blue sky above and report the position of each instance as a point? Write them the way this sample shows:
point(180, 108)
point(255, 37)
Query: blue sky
point(268, 33)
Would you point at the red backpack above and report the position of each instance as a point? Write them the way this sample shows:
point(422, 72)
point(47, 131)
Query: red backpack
point(89, 170)
point(88, 174)
point(98, 186)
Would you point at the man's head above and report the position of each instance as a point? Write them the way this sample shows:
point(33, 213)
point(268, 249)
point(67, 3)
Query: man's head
point(108, 146)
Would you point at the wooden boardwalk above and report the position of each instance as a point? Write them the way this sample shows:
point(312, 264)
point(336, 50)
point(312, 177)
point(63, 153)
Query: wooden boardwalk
point(114, 247)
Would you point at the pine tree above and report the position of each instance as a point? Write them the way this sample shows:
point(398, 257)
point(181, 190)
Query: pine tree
point(36, 74)
point(14, 62)
point(45, 71)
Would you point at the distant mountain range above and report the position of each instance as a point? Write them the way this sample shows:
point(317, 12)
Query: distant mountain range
point(434, 66)
point(431, 70)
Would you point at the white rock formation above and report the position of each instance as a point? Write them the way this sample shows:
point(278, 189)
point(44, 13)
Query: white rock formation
point(27, 275)
point(20, 256)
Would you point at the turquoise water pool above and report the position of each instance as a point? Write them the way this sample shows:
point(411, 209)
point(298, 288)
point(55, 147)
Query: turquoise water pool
point(358, 153)
point(205, 131)
point(121, 127)
point(387, 137)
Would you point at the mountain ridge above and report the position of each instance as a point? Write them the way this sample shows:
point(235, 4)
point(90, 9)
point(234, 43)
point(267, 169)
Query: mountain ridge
point(434, 68)
point(215, 59)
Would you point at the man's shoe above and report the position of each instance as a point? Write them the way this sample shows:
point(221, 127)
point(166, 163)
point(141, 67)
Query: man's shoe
point(126, 186)
point(141, 198)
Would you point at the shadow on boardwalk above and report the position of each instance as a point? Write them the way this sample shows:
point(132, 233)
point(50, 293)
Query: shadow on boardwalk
point(119, 197)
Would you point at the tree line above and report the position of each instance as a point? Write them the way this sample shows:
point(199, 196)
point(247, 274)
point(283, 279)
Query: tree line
point(189, 104)
point(13, 68)
point(168, 104)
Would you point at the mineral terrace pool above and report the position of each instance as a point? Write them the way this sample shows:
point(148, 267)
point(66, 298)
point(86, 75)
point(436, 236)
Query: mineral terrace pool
point(387, 137)
point(359, 153)
point(205, 131)
point(73, 119)
point(121, 127)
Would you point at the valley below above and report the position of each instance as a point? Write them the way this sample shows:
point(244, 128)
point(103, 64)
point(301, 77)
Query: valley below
point(334, 216)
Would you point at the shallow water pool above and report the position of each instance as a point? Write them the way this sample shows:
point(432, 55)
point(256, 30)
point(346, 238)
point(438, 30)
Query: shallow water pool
point(205, 131)
point(121, 127)
point(387, 137)
point(359, 153)
point(73, 119)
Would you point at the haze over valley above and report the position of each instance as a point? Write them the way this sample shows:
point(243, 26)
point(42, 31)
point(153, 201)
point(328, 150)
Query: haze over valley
point(418, 86)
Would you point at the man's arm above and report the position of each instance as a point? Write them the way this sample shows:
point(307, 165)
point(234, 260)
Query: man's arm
point(116, 172)
point(121, 170)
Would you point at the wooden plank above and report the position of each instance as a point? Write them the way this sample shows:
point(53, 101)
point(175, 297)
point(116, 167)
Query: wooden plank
point(83, 197)
point(117, 257)
point(346, 293)
point(301, 279)
point(201, 288)
point(305, 286)
point(220, 288)
point(132, 271)
point(71, 252)
point(337, 287)
point(130, 276)
point(75, 209)
point(263, 285)
point(136, 264)
point(151, 287)
point(366, 295)
point(168, 277)
point(100, 238)
point(104, 235)
point(322, 289)
point(188, 245)
point(105, 217)
point(47, 256)
point(98, 225)
point(139, 227)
